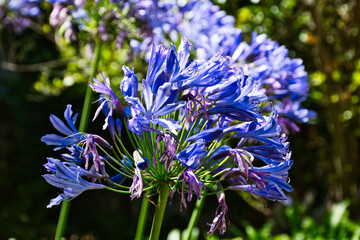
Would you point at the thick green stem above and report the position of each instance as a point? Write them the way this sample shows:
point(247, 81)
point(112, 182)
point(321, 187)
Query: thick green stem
point(142, 219)
point(159, 212)
point(194, 217)
point(64, 212)
point(65, 207)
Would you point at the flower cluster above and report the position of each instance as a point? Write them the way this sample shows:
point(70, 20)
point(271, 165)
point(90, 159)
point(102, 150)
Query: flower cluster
point(76, 18)
point(208, 28)
point(284, 79)
point(160, 21)
point(211, 30)
point(195, 127)
point(17, 14)
point(68, 16)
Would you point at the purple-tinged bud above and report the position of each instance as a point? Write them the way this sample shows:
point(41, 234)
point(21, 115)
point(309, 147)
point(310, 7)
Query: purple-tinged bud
point(58, 14)
point(129, 84)
point(102, 142)
point(118, 179)
point(170, 62)
point(111, 126)
point(118, 127)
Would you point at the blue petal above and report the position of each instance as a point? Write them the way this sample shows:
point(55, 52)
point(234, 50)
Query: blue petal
point(67, 114)
point(169, 108)
point(169, 123)
point(53, 139)
point(59, 125)
point(208, 135)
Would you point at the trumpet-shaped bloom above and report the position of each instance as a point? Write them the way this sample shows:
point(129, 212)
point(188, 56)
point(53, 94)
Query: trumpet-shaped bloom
point(69, 177)
point(110, 96)
point(72, 134)
point(129, 84)
point(190, 156)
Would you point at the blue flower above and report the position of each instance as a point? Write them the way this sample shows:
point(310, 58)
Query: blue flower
point(204, 73)
point(293, 111)
point(159, 95)
point(207, 135)
point(28, 8)
point(265, 131)
point(191, 155)
point(270, 174)
point(72, 134)
point(269, 180)
point(109, 95)
point(69, 177)
point(76, 156)
point(243, 104)
point(210, 104)
point(209, 29)
point(271, 191)
point(270, 153)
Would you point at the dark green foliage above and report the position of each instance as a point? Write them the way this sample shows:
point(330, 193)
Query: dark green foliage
point(335, 225)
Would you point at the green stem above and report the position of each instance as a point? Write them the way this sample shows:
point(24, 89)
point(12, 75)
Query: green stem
point(87, 101)
point(194, 217)
point(159, 212)
point(142, 219)
point(65, 207)
point(64, 212)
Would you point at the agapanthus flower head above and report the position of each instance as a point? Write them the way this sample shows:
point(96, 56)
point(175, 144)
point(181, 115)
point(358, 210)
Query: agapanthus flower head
point(180, 134)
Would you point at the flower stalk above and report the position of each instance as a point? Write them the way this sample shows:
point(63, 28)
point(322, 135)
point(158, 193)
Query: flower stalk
point(159, 212)
point(195, 216)
point(142, 219)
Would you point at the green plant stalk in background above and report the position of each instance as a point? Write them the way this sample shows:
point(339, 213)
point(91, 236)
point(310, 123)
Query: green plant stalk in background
point(159, 212)
point(65, 207)
point(142, 219)
point(194, 216)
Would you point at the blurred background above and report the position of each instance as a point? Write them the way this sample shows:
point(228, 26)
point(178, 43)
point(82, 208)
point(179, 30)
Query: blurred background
point(325, 202)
